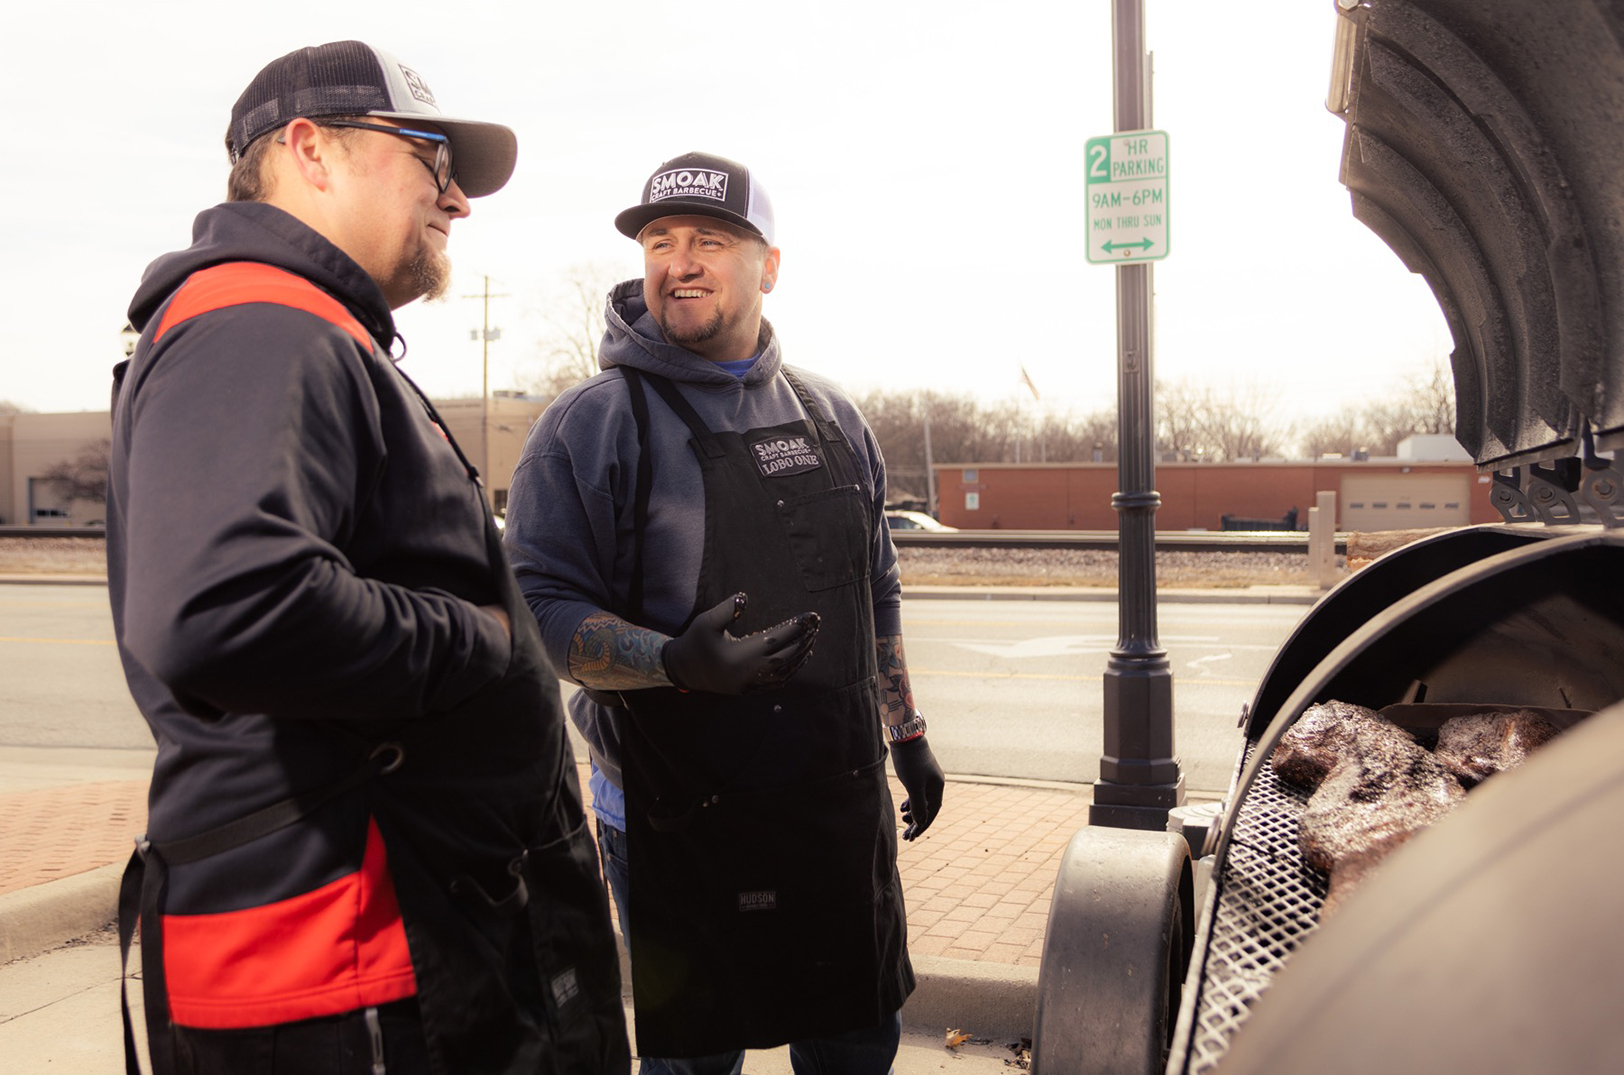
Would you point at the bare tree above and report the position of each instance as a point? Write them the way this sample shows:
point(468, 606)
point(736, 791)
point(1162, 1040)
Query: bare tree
point(1176, 409)
point(84, 477)
point(1434, 394)
point(1423, 403)
point(1337, 434)
point(1241, 426)
point(8, 407)
point(1199, 425)
point(1065, 439)
point(963, 430)
point(576, 325)
point(1192, 424)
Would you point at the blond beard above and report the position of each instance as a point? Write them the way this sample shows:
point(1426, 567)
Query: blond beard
point(431, 276)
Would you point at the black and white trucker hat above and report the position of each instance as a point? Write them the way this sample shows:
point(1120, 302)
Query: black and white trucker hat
point(351, 78)
point(699, 184)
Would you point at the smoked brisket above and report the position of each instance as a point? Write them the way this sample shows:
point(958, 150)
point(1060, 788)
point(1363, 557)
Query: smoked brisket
point(1373, 787)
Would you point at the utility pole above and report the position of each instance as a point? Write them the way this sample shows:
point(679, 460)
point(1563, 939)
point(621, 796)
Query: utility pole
point(1140, 780)
point(930, 467)
point(485, 334)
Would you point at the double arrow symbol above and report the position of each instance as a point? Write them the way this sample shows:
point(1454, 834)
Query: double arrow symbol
point(1142, 244)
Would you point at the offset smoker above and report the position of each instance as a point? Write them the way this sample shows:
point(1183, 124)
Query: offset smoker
point(1483, 147)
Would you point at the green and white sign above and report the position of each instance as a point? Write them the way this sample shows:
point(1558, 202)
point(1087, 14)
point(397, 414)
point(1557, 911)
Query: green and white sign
point(1126, 189)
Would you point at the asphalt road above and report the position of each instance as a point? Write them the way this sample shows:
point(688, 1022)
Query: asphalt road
point(1014, 688)
point(1010, 688)
point(63, 686)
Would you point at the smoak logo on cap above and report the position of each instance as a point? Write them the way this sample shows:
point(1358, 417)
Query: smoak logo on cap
point(688, 182)
point(420, 89)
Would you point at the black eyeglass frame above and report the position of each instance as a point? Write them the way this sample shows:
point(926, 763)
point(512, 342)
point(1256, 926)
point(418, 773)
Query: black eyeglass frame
point(443, 169)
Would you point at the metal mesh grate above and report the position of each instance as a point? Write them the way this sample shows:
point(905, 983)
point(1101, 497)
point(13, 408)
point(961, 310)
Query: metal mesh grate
point(1269, 901)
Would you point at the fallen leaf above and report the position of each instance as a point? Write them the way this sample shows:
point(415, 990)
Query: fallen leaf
point(956, 1037)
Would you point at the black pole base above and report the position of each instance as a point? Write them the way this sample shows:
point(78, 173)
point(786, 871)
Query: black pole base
point(1135, 806)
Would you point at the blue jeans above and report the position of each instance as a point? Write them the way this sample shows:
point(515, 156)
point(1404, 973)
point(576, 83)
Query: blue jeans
point(868, 1051)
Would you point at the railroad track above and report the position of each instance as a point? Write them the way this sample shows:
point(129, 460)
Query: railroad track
point(1167, 540)
point(1183, 540)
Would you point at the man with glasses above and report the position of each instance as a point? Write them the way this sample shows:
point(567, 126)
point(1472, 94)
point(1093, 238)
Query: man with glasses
point(366, 848)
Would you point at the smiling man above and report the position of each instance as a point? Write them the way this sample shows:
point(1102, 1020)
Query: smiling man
point(699, 531)
point(366, 846)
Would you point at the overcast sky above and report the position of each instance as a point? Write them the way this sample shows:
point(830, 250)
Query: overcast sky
point(925, 161)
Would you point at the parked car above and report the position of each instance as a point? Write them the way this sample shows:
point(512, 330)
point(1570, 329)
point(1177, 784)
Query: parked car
point(916, 520)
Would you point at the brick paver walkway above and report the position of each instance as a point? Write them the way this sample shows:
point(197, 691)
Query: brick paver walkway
point(57, 832)
point(977, 884)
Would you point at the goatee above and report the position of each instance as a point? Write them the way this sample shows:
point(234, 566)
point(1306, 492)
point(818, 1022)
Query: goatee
point(707, 331)
point(431, 276)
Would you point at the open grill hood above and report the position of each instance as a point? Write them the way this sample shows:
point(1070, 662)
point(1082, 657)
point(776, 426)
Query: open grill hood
point(1483, 146)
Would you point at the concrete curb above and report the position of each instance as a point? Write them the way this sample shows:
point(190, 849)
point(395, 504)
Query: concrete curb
point(54, 580)
point(989, 1000)
point(42, 917)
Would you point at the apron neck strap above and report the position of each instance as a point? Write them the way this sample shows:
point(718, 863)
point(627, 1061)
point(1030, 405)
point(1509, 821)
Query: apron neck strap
point(827, 431)
point(703, 437)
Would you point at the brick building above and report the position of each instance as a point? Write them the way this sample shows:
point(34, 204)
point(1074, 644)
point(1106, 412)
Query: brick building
point(31, 444)
point(1379, 494)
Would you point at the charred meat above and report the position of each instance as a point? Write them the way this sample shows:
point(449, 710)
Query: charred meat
point(1373, 787)
point(1474, 748)
point(1330, 735)
point(1366, 809)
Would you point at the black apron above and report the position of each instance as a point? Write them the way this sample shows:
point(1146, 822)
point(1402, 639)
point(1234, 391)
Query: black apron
point(765, 898)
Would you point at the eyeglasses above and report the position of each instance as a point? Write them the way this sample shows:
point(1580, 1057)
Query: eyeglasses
point(441, 169)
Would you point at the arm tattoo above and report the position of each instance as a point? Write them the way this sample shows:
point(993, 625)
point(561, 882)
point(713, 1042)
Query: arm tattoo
point(896, 695)
point(608, 653)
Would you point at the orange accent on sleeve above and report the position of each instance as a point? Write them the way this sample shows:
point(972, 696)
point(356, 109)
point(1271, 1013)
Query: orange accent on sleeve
point(332, 950)
point(237, 283)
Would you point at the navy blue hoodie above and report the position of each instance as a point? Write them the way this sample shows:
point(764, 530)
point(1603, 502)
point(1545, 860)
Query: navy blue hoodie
point(569, 517)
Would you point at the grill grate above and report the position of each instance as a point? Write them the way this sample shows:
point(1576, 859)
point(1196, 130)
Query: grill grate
point(1268, 903)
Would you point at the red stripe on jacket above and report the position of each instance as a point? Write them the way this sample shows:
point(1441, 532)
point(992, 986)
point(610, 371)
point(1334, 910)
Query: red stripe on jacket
point(237, 283)
point(329, 951)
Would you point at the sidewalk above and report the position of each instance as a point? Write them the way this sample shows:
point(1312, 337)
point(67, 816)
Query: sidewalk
point(977, 886)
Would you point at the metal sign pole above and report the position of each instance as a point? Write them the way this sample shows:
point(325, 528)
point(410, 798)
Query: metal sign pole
point(1140, 779)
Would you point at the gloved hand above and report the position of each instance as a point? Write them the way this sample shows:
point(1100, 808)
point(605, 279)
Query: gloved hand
point(706, 657)
point(917, 769)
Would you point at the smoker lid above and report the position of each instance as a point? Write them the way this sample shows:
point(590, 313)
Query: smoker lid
point(1482, 147)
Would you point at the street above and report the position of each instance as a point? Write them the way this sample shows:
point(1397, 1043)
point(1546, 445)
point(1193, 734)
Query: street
point(1013, 688)
point(1010, 688)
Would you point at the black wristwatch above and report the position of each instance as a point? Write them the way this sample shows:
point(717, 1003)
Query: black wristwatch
point(912, 728)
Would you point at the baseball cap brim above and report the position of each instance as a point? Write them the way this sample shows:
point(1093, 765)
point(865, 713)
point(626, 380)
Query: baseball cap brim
point(483, 154)
point(631, 222)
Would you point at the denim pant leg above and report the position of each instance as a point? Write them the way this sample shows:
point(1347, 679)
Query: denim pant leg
point(612, 852)
point(869, 1051)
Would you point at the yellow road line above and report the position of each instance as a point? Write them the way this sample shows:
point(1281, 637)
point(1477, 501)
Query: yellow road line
point(63, 641)
point(917, 673)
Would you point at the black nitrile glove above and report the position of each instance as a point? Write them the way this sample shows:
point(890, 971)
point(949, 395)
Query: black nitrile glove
point(706, 658)
point(917, 769)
